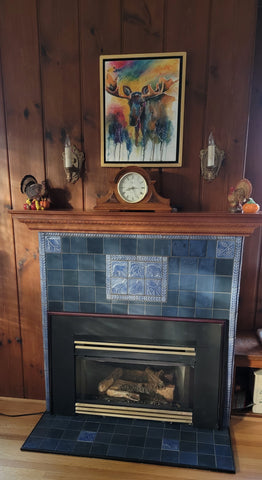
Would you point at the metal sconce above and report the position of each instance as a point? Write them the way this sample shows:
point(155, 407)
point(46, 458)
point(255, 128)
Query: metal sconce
point(73, 161)
point(211, 160)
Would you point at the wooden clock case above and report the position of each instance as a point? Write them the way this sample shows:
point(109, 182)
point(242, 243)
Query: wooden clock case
point(112, 201)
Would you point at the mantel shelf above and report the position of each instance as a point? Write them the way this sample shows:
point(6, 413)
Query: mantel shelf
point(194, 223)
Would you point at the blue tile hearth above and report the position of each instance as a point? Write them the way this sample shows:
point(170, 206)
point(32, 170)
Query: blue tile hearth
point(144, 441)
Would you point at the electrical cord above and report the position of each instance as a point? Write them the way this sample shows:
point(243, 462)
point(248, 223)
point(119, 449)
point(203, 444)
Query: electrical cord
point(21, 414)
point(240, 409)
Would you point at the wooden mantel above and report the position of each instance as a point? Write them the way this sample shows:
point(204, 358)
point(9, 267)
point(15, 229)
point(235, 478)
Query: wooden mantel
point(196, 223)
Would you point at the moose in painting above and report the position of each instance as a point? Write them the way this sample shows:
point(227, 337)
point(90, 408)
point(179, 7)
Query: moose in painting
point(141, 109)
point(147, 111)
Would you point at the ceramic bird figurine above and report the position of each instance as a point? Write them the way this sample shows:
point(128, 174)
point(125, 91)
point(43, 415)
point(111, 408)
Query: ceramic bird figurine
point(239, 198)
point(36, 193)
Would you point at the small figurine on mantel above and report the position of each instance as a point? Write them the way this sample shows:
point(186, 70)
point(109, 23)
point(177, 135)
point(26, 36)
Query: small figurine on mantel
point(239, 198)
point(37, 193)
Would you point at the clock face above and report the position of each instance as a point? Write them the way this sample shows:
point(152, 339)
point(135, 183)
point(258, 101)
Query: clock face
point(132, 187)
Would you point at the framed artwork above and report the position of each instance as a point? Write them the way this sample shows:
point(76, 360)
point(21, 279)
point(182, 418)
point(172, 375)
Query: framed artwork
point(142, 109)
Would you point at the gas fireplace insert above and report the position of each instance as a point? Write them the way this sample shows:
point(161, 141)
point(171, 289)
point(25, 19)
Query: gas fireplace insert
point(153, 368)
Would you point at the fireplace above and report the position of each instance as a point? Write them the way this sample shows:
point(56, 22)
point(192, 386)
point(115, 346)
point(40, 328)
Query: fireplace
point(162, 280)
point(173, 370)
point(139, 333)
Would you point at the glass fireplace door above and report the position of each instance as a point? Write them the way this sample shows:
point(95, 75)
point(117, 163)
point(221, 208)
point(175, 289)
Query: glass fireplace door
point(133, 380)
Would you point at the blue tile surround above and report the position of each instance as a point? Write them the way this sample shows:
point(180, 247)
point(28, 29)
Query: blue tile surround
point(198, 278)
point(163, 443)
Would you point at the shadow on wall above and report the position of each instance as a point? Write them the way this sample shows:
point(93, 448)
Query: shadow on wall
point(60, 198)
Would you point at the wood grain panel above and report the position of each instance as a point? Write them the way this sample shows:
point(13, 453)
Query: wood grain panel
point(143, 26)
point(232, 30)
point(60, 74)
point(11, 374)
point(254, 146)
point(258, 306)
point(164, 223)
point(28, 277)
point(100, 34)
point(187, 27)
point(249, 281)
point(254, 166)
point(20, 61)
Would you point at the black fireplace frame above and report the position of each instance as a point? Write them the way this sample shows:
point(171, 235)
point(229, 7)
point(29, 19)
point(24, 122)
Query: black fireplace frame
point(208, 337)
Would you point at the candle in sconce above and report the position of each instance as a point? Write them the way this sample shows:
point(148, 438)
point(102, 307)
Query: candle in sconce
point(68, 153)
point(211, 151)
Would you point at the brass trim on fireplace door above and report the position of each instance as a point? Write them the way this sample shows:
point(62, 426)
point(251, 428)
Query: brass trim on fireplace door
point(130, 412)
point(125, 347)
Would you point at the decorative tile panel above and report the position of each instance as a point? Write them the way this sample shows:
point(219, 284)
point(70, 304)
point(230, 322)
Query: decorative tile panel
point(225, 249)
point(139, 278)
point(52, 244)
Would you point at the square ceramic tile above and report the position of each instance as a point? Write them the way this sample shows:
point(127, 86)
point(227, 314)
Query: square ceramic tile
point(225, 249)
point(52, 244)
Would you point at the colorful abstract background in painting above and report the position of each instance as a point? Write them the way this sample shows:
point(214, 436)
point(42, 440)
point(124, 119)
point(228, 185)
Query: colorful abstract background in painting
point(141, 109)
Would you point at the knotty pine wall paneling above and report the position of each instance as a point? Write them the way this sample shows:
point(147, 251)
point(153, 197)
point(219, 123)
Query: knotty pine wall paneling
point(187, 29)
point(11, 372)
point(143, 26)
point(254, 145)
point(100, 34)
point(22, 93)
point(28, 282)
point(250, 308)
point(22, 97)
point(61, 93)
point(231, 47)
point(249, 286)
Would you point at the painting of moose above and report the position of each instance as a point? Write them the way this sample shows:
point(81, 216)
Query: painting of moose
point(142, 110)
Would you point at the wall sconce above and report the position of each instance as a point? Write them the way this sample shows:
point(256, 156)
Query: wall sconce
point(211, 160)
point(73, 161)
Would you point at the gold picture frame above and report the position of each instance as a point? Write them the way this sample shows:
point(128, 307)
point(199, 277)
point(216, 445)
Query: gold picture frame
point(142, 100)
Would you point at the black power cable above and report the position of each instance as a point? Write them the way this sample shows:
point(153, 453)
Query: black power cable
point(21, 414)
